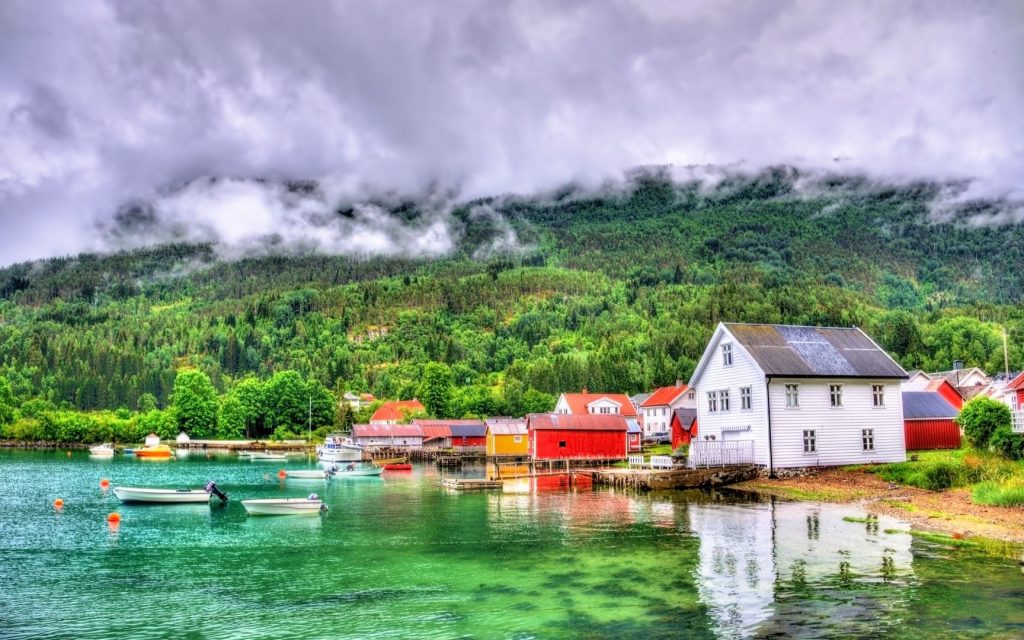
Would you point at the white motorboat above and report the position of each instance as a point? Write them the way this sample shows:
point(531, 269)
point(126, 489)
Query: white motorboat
point(266, 456)
point(168, 496)
point(338, 448)
point(306, 474)
point(352, 470)
point(105, 449)
point(284, 506)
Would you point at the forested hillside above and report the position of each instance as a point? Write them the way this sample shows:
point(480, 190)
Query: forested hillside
point(617, 292)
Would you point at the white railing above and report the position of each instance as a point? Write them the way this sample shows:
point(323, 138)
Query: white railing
point(661, 462)
point(706, 453)
point(1018, 421)
point(636, 461)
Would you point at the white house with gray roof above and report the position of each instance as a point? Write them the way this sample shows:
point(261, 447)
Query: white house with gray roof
point(804, 396)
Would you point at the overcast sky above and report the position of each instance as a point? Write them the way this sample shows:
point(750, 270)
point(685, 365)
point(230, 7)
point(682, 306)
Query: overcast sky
point(107, 102)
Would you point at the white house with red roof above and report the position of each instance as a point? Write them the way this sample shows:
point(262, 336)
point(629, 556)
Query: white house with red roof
point(396, 411)
point(656, 410)
point(579, 404)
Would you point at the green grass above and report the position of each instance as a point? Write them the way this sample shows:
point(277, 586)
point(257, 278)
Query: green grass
point(1007, 493)
point(941, 470)
point(940, 538)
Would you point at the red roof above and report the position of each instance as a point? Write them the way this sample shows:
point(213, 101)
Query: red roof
point(578, 402)
point(1016, 383)
point(581, 422)
point(664, 396)
point(386, 430)
point(392, 410)
point(935, 385)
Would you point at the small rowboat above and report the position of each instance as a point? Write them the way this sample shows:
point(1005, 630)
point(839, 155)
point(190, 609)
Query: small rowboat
point(383, 462)
point(104, 450)
point(405, 466)
point(284, 506)
point(257, 456)
point(155, 451)
point(353, 472)
point(307, 474)
point(161, 496)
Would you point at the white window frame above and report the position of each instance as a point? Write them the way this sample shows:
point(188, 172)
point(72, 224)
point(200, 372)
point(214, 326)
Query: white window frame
point(835, 395)
point(746, 398)
point(792, 399)
point(727, 354)
point(867, 440)
point(723, 400)
point(517, 439)
point(712, 402)
point(810, 441)
point(878, 396)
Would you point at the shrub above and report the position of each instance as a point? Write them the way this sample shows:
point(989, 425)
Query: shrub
point(981, 417)
point(938, 476)
point(1008, 443)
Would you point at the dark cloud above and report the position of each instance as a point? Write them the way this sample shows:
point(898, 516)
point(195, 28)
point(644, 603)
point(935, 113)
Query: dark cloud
point(107, 103)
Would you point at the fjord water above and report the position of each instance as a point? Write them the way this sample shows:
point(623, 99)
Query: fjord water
point(400, 557)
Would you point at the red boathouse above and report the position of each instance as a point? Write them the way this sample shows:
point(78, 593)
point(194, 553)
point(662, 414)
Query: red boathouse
point(555, 436)
point(929, 421)
point(684, 426)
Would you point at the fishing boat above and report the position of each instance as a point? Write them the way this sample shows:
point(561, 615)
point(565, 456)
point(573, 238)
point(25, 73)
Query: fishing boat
point(307, 474)
point(127, 451)
point(266, 456)
point(168, 496)
point(338, 448)
point(154, 451)
point(284, 506)
point(352, 470)
point(398, 466)
point(383, 462)
point(104, 450)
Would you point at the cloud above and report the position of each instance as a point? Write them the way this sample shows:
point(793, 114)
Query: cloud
point(197, 109)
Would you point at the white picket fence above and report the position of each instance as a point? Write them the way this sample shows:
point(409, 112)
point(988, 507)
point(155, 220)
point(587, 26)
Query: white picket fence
point(1018, 421)
point(710, 453)
point(656, 462)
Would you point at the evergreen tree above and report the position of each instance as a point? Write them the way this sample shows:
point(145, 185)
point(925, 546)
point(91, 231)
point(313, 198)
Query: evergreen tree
point(436, 391)
point(7, 404)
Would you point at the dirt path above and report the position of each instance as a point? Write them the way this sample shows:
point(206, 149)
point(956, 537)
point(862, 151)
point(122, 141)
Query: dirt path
point(946, 511)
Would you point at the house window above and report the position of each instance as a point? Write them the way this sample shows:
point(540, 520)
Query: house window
point(792, 395)
point(835, 395)
point(712, 401)
point(517, 439)
point(727, 354)
point(745, 398)
point(867, 437)
point(561, 444)
point(693, 394)
point(664, 411)
point(810, 441)
point(723, 396)
point(878, 393)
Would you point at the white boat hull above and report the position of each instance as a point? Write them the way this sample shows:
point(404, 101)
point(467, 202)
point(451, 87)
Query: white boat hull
point(161, 496)
point(283, 507)
point(267, 457)
point(103, 450)
point(368, 471)
point(306, 474)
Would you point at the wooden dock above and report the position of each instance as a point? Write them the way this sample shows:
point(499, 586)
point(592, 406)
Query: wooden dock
point(648, 479)
point(464, 484)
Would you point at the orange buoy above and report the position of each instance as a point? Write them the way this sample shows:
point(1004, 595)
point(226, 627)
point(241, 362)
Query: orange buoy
point(69, 454)
point(282, 473)
point(114, 517)
point(58, 504)
point(104, 483)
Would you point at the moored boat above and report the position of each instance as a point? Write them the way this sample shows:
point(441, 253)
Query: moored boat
point(261, 456)
point(352, 470)
point(284, 506)
point(161, 496)
point(398, 466)
point(306, 474)
point(104, 450)
point(154, 451)
point(338, 448)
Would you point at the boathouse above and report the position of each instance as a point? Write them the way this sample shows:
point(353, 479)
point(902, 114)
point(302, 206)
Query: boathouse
point(929, 421)
point(408, 436)
point(684, 427)
point(468, 435)
point(634, 435)
point(796, 396)
point(507, 437)
point(557, 436)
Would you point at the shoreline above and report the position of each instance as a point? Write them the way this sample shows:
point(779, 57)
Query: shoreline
point(949, 512)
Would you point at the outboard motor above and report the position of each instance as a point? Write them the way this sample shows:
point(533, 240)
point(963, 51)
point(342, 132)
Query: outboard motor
point(211, 487)
point(313, 496)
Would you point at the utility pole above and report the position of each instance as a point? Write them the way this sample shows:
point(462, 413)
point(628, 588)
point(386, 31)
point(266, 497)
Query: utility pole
point(1006, 357)
point(309, 438)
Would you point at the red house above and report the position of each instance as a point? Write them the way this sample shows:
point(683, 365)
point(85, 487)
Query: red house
point(684, 427)
point(945, 389)
point(929, 421)
point(555, 436)
point(1016, 387)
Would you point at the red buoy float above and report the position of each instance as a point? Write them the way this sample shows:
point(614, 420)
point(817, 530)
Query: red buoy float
point(282, 473)
point(114, 518)
point(104, 483)
point(58, 504)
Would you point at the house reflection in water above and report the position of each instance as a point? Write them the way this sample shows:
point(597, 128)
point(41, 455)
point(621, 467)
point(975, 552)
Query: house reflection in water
point(766, 568)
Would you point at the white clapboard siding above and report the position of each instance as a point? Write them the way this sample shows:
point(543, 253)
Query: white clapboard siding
point(838, 429)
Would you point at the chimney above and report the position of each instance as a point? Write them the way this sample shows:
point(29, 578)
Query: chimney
point(584, 391)
point(679, 382)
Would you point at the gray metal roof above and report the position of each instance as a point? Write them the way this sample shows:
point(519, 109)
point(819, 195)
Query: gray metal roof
point(919, 405)
point(782, 350)
point(686, 416)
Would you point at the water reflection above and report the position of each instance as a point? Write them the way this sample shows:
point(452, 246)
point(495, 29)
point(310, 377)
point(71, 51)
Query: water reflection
point(766, 568)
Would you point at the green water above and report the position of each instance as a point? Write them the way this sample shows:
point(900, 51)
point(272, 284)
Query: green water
point(399, 557)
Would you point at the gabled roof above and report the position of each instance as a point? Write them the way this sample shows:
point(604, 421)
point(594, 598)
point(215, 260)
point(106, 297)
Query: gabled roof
point(686, 417)
point(633, 425)
point(919, 405)
point(578, 402)
point(664, 396)
point(392, 410)
point(386, 430)
point(1016, 383)
point(472, 430)
point(506, 426)
point(959, 375)
point(814, 352)
point(581, 422)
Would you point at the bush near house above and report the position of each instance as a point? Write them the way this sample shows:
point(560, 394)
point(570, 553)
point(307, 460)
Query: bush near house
point(981, 417)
